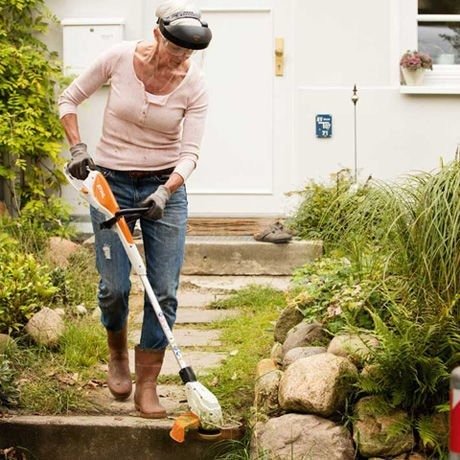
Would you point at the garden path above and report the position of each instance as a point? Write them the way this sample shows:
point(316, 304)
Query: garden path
point(199, 343)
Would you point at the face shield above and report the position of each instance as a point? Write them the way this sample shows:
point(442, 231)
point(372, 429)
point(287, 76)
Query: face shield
point(186, 36)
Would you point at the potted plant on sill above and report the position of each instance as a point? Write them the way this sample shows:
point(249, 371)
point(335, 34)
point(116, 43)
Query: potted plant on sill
point(413, 65)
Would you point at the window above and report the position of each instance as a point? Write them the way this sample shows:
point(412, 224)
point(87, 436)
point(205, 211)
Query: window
point(439, 30)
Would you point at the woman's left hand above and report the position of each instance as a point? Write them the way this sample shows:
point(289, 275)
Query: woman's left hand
point(156, 203)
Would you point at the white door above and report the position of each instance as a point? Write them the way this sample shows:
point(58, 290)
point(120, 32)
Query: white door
point(245, 160)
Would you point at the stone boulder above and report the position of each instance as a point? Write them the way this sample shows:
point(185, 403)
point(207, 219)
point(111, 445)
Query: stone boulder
point(264, 366)
point(318, 384)
point(299, 437)
point(266, 392)
point(301, 352)
point(302, 335)
point(290, 317)
point(276, 353)
point(411, 456)
point(60, 250)
point(45, 327)
point(357, 348)
point(6, 342)
point(381, 435)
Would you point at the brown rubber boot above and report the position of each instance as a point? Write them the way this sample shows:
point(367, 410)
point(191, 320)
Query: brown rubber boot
point(148, 366)
point(119, 377)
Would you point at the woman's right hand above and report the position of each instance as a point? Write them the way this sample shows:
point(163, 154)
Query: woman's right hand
point(80, 162)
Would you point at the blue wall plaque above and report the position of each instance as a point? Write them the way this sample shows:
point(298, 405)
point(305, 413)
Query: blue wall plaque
point(323, 125)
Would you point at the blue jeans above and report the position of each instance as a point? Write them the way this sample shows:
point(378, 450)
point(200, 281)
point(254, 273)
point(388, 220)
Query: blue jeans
point(164, 242)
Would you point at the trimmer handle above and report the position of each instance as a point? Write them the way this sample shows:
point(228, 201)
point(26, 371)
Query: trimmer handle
point(127, 212)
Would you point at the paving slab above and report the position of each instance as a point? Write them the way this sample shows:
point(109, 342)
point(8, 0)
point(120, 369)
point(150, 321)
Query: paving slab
point(201, 361)
point(227, 284)
point(201, 315)
point(195, 315)
point(188, 337)
point(190, 298)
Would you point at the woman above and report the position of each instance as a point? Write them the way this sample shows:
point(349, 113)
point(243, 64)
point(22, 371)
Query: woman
point(152, 129)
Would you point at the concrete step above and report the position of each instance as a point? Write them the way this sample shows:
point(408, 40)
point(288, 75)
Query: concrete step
point(242, 255)
point(99, 438)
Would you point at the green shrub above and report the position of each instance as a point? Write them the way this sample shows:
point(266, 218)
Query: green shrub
point(30, 131)
point(425, 238)
point(26, 287)
point(335, 292)
point(340, 213)
point(27, 283)
point(37, 222)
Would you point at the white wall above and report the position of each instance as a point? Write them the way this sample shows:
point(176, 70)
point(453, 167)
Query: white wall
point(332, 45)
point(339, 44)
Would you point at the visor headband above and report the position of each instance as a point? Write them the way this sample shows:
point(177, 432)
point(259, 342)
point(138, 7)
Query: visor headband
point(186, 36)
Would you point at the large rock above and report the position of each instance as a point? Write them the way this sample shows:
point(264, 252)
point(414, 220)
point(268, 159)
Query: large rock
point(59, 250)
point(381, 435)
point(264, 366)
point(266, 392)
point(357, 348)
point(301, 352)
point(290, 317)
point(300, 437)
point(45, 327)
point(318, 384)
point(302, 335)
point(6, 342)
point(276, 353)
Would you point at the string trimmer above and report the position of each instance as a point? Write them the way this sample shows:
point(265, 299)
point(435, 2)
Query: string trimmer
point(206, 412)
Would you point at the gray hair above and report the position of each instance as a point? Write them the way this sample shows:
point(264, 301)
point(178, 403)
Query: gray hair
point(169, 7)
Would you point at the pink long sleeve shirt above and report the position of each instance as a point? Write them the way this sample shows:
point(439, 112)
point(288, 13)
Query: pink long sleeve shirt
point(139, 134)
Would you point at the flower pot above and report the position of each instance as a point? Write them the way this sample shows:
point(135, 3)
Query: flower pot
point(413, 77)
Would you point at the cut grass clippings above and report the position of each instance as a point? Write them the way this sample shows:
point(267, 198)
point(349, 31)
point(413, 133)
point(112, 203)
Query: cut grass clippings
point(247, 338)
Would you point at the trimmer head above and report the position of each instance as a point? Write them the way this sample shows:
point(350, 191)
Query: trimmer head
point(204, 405)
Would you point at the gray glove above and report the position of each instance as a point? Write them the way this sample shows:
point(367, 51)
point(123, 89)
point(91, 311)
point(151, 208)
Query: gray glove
point(78, 165)
point(156, 203)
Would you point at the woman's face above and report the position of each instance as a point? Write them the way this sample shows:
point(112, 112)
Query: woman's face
point(174, 54)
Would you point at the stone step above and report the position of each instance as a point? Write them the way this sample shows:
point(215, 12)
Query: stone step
point(193, 315)
point(201, 361)
point(242, 255)
point(188, 337)
point(98, 438)
point(216, 287)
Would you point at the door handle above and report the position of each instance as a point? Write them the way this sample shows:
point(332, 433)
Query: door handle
point(279, 56)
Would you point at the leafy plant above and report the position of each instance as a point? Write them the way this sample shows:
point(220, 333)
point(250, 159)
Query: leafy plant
point(26, 287)
point(30, 132)
point(334, 292)
point(9, 394)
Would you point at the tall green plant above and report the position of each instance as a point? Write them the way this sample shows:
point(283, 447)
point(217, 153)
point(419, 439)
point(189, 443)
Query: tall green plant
point(30, 132)
point(426, 237)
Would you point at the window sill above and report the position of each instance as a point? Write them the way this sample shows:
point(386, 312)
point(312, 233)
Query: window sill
point(425, 89)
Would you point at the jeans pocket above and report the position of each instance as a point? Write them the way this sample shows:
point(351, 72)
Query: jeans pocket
point(105, 171)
